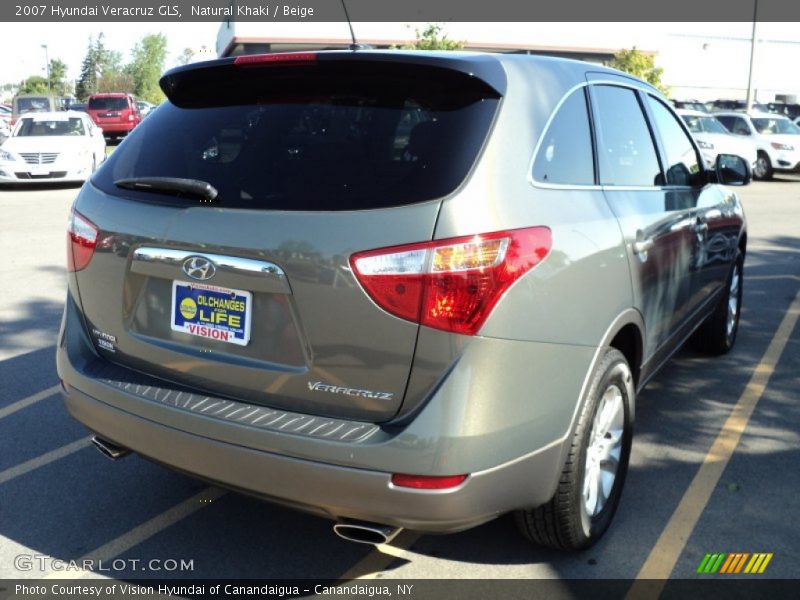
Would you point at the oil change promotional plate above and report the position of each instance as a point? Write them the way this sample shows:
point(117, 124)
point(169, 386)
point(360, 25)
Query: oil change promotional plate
point(211, 312)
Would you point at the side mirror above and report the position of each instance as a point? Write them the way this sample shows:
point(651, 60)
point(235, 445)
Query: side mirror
point(732, 170)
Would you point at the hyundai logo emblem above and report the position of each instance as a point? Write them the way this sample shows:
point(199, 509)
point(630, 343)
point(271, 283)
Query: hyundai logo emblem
point(199, 268)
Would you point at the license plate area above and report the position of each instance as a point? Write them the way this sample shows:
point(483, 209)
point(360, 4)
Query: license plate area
point(211, 312)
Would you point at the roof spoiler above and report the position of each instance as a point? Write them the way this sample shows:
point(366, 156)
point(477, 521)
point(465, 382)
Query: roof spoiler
point(485, 68)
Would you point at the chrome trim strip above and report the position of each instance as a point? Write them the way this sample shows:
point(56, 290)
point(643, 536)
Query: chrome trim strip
point(233, 263)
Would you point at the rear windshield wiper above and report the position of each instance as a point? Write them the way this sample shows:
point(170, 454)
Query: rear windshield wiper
point(176, 186)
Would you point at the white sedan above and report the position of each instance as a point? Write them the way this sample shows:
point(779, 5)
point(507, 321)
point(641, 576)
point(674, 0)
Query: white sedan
point(52, 147)
point(713, 139)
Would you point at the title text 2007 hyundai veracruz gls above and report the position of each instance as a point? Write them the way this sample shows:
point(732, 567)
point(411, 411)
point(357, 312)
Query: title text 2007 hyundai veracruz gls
point(401, 290)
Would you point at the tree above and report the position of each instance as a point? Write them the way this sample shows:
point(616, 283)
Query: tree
point(115, 81)
point(640, 65)
point(34, 85)
point(432, 38)
point(58, 77)
point(101, 67)
point(146, 66)
point(186, 56)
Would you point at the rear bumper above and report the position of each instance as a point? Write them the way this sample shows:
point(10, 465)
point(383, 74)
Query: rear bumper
point(508, 443)
point(328, 490)
point(116, 128)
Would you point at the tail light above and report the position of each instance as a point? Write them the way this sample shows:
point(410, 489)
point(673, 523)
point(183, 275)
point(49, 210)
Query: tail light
point(450, 284)
point(81, 241)
point(131, 117)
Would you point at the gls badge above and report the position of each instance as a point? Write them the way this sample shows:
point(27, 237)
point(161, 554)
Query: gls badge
point(198, 267)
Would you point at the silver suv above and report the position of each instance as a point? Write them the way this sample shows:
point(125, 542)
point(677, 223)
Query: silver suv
point(400, 290)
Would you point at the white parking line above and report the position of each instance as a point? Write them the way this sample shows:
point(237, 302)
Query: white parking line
point(33, 399)
point(44, 459)
point(142, 533)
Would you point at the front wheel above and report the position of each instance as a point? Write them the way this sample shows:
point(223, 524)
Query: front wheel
point(591, 481)
point(763, 168)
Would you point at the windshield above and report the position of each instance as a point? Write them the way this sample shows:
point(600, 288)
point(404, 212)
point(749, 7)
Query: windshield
point(345, 138)
point(33, 104)
point(37, 128)
point(703, 124)
point(108, 103)
point(772, 126)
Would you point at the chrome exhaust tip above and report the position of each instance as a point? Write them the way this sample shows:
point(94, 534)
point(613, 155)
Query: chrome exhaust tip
point(109, 449)
point(363, 532)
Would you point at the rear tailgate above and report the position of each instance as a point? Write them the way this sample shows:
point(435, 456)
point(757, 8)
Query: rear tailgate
point(250, 295)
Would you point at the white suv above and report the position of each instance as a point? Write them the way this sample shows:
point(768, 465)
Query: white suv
point(713, 139)
point(776, 138)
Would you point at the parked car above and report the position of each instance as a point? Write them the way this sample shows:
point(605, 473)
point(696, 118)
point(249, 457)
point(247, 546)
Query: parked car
point(144, 107)
point(5, 119)
point(115, 113)
point(424, 335)
point(782, 108)
point(713, 139)
point(730, 105)
point(51, 146)
point(25, 103)
point(695, 105)
point(776, 138)
point(79, 107)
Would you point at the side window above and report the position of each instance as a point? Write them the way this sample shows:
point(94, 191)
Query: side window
point(735, 125)
point(624, 145)
point(682, 166)
point(565, 154)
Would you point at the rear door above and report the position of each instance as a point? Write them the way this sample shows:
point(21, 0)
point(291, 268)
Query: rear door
point(251, 295)
point(656, 220)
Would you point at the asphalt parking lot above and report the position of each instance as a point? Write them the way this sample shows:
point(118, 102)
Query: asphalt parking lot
point(694, 486)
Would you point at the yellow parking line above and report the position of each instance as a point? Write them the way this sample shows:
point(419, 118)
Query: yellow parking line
point(33, 399)
point(664, 555)
point(383, 555)
point(143, 532)
point(44, 459)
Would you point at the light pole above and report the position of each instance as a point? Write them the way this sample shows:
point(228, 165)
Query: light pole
point(47, 62)
point(753, 43)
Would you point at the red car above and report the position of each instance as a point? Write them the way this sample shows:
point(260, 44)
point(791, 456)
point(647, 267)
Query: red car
point(115, 113)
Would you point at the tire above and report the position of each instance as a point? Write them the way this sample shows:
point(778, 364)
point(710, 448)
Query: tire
point(763, 169)
point(570, 520)
point(718, 334)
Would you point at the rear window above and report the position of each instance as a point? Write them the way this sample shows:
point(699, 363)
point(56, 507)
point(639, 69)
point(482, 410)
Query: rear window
point(33, 104)
point(108, 103)
point(324, 137)
point(56, 127)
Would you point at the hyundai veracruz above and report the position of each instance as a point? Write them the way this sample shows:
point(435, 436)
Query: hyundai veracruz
point(397, 289)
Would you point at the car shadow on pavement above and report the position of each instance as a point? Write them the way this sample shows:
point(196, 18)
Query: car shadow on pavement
point(36, 321)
